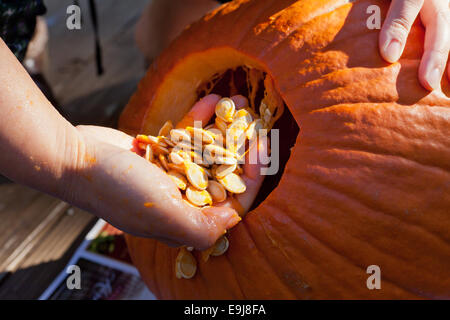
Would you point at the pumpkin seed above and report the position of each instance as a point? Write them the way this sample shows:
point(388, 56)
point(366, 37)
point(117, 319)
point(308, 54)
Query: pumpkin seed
point(165, 129)
point(178, 135)
point(225, 109)
point(196, 157)
point(206, 137)
point(176, 158)
point(177, 167)
point(148, 153)
point(226, 160)
point(238, 125)
point(169, 142)
point(221, 125)
point(197, 197)
point(243, 115)
point(159, 165)
point(178, 179)
point(233, 183)
point(161, 142)
point(220, 247)
point(218, 152)
point(253, 129)
point(217, 191)
point(163, 161)
point(185, 264)
point(224, 170)
point(160, 150)
point(196, 175)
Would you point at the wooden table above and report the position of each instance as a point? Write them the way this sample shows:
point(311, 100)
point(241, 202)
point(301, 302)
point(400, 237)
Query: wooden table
point(38, 233)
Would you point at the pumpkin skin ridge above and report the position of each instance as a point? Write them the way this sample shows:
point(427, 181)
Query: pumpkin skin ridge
point(406, 292)
point(348, 149)
point(374, 210)
point(157, 290)
point(351, 142)
point(240, 295)
point(367, 203)
point(301, 111)
point(278, 285)
point(285, 255)
point(326, 246)
point(380, 211)
point(341, 282)
point(287, 168)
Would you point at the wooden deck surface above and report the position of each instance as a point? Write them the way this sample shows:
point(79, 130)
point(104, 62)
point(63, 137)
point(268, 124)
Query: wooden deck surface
point(38, 233)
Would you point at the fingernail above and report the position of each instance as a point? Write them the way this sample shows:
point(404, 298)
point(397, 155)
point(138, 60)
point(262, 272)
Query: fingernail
point(433, 77)
point(392, 51)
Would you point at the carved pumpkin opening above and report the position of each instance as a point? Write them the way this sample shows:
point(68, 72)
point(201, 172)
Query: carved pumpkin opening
point(249, 82)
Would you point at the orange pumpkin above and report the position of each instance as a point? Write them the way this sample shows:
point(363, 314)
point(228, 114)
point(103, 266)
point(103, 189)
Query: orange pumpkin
point(368, 180)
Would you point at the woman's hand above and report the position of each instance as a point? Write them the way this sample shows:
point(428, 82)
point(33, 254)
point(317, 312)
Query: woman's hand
point(137, 196)
point(435, 15)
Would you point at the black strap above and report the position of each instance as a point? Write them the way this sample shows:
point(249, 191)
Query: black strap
point(98, 48)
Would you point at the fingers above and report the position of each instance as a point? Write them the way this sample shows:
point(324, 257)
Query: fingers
point(202, 111)
point(436, 17)
point(395, 30)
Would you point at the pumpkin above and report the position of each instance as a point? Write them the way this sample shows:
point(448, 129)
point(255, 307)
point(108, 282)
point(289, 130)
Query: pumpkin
point(367, 181)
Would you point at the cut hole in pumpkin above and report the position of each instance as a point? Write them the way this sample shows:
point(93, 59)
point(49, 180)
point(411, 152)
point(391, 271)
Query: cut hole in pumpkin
point(250, 83)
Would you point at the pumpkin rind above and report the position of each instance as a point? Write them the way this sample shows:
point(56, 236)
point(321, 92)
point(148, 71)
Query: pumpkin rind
point(368, 182)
